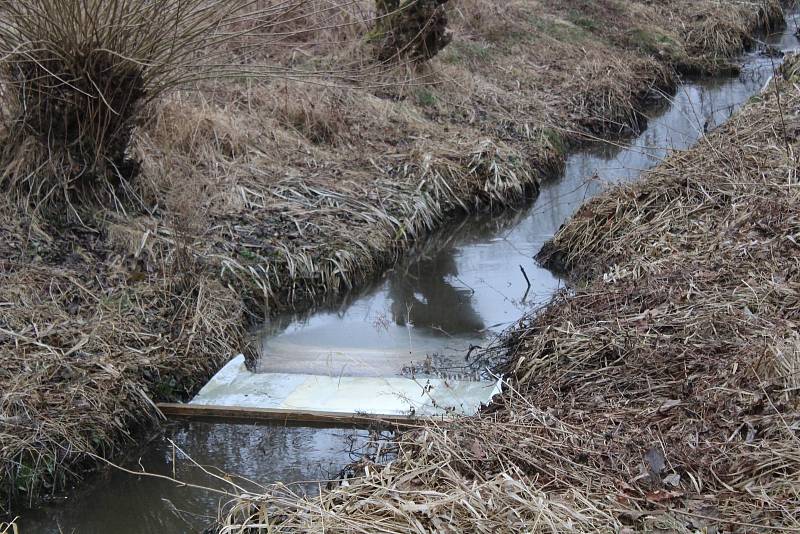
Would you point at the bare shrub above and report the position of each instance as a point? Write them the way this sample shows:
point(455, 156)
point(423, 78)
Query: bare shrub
point(76, 77)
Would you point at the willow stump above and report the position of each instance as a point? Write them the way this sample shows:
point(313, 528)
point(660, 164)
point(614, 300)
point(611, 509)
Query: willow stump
point(413, 29)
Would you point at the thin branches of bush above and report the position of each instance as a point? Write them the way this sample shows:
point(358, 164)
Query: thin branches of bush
point(76, 76)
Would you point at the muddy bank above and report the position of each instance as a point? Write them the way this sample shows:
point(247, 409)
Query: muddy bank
point(659, 394)
point(281, 202)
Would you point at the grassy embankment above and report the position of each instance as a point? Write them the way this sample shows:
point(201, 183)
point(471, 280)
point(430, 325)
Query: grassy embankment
point(259, 194)
point(661, 394)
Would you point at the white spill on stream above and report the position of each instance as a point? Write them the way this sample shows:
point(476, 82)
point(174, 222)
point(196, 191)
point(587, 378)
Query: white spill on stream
point(235, 386)
point(377, 353)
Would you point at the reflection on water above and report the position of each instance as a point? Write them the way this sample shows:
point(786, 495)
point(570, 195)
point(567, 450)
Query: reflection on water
point(466, 284)
point(426, 311)
point(422, 297)
point(121, 503)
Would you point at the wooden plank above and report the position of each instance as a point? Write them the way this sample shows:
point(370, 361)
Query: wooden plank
point(277, 415)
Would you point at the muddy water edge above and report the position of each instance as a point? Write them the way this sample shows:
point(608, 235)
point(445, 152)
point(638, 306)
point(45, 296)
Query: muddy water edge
point(457, 291)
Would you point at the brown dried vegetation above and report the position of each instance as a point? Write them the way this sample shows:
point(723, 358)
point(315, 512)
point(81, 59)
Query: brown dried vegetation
point(296, 193)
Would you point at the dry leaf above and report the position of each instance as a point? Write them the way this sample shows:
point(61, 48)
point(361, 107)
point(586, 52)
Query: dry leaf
point(655, 461)
point(478, 450)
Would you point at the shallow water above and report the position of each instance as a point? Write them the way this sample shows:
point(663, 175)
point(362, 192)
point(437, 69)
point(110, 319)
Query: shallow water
point(121, 503)
point(460, 288)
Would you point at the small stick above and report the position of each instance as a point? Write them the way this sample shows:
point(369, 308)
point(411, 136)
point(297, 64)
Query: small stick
point(521, 268)
point(525, 296)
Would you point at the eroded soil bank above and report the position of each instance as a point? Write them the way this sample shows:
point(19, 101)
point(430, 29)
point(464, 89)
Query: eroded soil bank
point(270, 194)
point(660, 394)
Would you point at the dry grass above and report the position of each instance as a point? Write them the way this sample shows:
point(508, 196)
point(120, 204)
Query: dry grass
point(296, 175)
point(659, 395)
point(85, 348)
point(296, 193)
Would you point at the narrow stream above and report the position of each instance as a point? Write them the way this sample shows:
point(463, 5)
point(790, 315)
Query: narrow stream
point(466, 283)
point(459, 289)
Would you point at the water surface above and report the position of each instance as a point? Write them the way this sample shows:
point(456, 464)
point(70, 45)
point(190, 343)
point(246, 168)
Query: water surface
point(122, 503)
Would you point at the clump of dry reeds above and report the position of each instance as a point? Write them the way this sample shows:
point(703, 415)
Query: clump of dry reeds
point(661, 394)
point(76, 76)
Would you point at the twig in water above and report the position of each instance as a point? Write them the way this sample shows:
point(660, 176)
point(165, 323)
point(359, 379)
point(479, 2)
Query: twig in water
point(527, 280)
